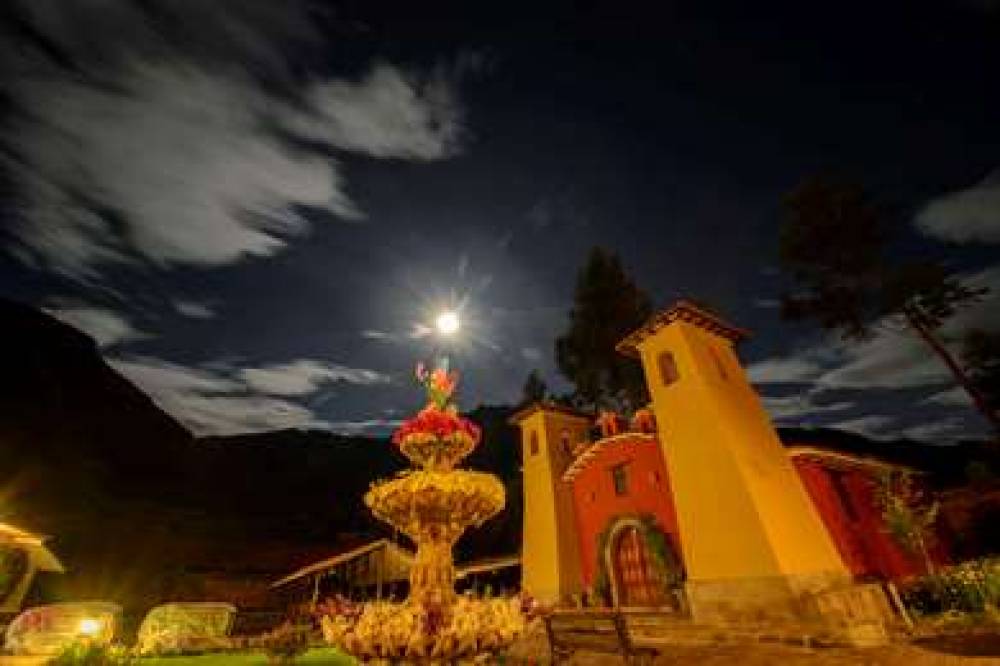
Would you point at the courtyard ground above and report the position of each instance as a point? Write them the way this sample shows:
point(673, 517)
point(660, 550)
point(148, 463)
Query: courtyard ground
point(971, 647)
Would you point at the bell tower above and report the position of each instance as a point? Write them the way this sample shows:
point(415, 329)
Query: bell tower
point(550, 557)
point(753, 543)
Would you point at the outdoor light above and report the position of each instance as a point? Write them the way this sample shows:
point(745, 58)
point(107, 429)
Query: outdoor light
point(447, 323)
point(89, 626)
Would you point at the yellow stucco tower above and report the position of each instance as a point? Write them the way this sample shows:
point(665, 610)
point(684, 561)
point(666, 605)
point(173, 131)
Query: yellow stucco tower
point(754, 546)
point(550, 559)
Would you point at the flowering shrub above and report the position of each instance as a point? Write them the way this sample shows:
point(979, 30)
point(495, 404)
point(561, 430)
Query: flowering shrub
point(909, 517)
point(970, 587)
point(393, 631)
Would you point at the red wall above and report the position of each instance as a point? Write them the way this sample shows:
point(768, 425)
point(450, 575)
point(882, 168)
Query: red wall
point(597, 504)
point(859, 531)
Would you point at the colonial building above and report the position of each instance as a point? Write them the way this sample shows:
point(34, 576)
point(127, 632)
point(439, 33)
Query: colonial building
point(696, 502)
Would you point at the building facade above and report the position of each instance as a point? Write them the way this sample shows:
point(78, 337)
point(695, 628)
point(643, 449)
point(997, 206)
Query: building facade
point(696, 502)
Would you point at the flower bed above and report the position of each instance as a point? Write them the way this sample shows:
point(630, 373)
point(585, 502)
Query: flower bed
point(970, 587)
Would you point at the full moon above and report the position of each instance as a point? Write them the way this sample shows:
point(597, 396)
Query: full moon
point(447, 323)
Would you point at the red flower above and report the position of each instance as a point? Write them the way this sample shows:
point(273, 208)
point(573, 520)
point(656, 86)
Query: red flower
point(436, 423)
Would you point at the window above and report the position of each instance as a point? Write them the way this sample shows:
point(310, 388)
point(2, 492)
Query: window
point(564, 443)
point(668, 368)
point(534, 443)
point(619, 478)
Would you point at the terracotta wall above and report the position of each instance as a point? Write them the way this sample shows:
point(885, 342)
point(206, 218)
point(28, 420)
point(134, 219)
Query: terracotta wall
point(854, 519)
point(596, 502)
point(851, 514)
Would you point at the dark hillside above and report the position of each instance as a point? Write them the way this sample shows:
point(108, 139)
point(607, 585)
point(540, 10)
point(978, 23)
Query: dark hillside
point(134, 504)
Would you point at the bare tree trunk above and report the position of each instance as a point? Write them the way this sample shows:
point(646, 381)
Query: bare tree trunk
point(928, 562)
point(929, 337)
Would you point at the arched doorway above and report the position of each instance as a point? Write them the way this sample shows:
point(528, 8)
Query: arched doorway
point(638, 577)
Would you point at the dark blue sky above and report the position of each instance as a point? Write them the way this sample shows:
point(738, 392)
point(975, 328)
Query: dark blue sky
point(257, 206)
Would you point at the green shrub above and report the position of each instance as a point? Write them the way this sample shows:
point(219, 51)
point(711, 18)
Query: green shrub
point(84, 653)
point(286, 642)
point(970, 587)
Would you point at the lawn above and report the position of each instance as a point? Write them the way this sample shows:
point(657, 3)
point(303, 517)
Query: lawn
point(314, 657)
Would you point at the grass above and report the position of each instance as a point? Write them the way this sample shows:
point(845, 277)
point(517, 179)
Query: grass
point(314, 657)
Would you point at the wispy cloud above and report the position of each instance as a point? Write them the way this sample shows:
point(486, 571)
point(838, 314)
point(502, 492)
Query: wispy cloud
point(170, 150)
point(419, 331)
point(416, 331)
point(107, 327)
point(194, 309)
point(953, 396)
point(937, 431)
point(222, 400)
point(968, 216)
point(305, 376)
point(791, 409)
point(892, 361)
point(874, 425)
point(531, 354)
point(787, 370)
point(364, 426)
point(162, 377)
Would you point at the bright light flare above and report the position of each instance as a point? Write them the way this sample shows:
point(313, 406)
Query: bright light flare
point(90, 626)
point(447, 323)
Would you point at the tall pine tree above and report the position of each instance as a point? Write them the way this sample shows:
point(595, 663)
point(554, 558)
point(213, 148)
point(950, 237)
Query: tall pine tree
point(607, 306)
point(534, 389)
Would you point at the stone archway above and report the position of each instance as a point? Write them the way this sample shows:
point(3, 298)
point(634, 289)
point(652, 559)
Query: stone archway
point(638, 577)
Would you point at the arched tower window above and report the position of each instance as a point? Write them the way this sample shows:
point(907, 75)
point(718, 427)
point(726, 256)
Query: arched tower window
point(564, 444)
point(533, 443)
point(668, 368)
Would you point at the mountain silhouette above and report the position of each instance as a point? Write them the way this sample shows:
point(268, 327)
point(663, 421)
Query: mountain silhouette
point(136, 506)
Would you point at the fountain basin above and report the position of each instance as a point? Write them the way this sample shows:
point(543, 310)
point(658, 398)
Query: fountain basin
point(439, 505)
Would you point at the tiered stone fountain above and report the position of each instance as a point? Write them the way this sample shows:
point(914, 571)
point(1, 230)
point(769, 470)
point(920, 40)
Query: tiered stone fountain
point(433, 505)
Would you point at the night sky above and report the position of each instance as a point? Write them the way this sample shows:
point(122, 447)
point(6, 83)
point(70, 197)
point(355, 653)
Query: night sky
point(257, 208)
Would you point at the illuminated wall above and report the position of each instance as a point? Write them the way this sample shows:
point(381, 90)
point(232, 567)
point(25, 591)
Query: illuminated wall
point(550, 559)
point(599, 503)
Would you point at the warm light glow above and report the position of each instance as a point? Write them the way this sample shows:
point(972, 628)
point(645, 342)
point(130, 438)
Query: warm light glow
point(447, 323)
point(89, 626)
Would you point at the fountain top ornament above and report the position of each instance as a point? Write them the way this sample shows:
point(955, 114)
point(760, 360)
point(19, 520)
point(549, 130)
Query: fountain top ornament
point(437, 438)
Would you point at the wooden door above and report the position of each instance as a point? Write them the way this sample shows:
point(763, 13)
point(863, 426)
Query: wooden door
point(639, 581)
